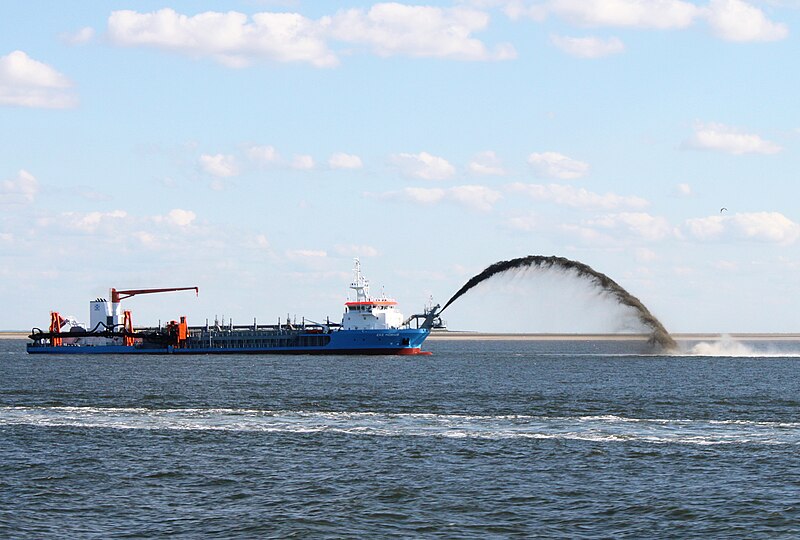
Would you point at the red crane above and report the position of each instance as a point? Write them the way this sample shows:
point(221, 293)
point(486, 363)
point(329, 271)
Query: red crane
point(116, 295)
point(127, 319)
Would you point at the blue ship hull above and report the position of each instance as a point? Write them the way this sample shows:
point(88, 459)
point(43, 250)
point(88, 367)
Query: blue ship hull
point(403, 342)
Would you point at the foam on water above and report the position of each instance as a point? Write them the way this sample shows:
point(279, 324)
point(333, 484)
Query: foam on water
point(729, 347)
point(603, 428)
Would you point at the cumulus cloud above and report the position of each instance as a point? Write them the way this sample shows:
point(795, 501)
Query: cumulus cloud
point(303, 162)
point(419, 31)
point(23, 189)
point(732, 20)
point(263, 155)
point(219, 165)
point(417, 195)
point(423, 165)
point(180, 217)
point(93, 221)
point(486, 163)
point(476, 197)
point(25, 82)
point(236, 40)
point(707, 228)
point(555, 165)
point(660, 14)
point(723, 138)
point(683, 190)
point(577, 197)
point(640, 224)
point(588, 47)
point(341, 160)
point(771, 227)
point(527, 223)
point(735, 20)
point(231, 38)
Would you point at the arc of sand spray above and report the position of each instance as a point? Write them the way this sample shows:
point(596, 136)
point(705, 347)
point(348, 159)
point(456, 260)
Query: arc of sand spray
point(659, 336)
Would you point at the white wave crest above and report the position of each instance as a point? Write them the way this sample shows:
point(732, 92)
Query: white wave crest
point(601, 428)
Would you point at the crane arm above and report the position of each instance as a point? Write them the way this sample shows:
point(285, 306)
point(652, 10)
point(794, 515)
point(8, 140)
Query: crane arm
point(116, 295)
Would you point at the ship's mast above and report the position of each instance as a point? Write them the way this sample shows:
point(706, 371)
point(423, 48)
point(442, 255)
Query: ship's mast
point(359, 284)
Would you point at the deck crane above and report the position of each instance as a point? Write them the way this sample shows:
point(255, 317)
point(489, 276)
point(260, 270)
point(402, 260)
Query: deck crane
point(116, 295)
point(127, 320)
point(105, 316)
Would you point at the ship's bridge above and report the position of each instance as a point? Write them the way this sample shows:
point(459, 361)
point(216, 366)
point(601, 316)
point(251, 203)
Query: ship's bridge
point(366, 313)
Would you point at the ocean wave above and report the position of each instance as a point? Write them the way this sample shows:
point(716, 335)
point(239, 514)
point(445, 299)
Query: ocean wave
point(599, 428)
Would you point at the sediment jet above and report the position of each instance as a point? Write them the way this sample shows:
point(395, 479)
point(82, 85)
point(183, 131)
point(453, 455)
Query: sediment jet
point(659, 335)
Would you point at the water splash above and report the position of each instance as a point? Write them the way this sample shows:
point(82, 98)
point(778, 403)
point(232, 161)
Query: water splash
point(659, 335)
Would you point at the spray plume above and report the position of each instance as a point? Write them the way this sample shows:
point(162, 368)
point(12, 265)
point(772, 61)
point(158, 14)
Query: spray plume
point(659, 336)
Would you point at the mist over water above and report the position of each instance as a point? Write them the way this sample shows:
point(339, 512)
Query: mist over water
point(659, 334)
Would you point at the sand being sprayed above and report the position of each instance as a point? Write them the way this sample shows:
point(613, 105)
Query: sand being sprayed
point(659, 335)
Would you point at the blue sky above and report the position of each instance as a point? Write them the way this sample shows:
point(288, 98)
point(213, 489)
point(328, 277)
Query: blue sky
point(253, 148)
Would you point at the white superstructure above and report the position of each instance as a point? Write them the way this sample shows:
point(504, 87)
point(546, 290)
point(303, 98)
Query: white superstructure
point(367, 313)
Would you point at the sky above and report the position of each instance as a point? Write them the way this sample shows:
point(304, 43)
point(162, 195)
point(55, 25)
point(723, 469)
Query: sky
point(254, 148)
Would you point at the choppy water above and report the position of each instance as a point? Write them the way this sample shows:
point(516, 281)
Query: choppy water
point(481, 440)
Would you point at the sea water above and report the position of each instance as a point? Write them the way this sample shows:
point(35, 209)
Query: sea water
point(481, 440)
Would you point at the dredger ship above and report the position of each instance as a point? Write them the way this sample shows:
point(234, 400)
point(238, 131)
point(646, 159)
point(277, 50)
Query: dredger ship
point(369, 326)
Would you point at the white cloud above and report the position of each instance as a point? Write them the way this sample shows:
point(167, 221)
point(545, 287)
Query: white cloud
point(25, 82)
point(525, 223)
point(486, 163)
point(771, 227)
point(707, 228)
point(578, 197)
point(588, 47)
point(263, 155)
point(424, 165)
point(236, 40)
point(219, 165)
point(766, 227)
point(419, 31)
point(640, 224)
point(555, 165)
point(23, 188)
point(303, 162)
point(93, 221)
point(660, 14)
point(231, 38)
point(730, 140)
point(683, 190)
point(735, 20)
point(587, 235)
point(353, 250)
point(261, 241)
point(417, 195)
point(179, 217)
point(731, 20)
point(478, 198)
point(344, 161)
point(84, 35)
